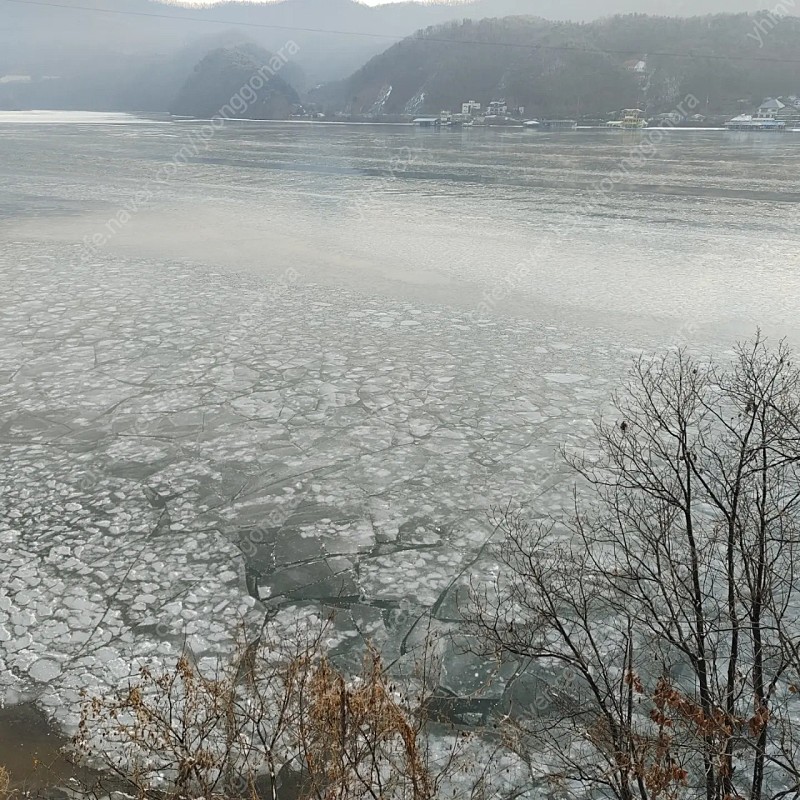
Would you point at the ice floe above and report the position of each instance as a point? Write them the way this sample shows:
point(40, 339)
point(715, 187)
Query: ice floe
point(176, 458)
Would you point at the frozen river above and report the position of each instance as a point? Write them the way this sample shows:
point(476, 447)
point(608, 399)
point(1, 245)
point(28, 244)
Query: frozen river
point(302, 368)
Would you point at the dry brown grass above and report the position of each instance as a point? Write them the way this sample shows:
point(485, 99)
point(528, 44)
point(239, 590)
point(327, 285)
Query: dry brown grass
point(5, 784)
point(280, 703)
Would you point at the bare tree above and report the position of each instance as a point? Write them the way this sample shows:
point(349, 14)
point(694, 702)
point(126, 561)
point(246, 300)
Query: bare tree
point(669, 591)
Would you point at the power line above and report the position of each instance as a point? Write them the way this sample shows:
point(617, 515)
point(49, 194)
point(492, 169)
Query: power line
point(389, 37)
point(201, 19)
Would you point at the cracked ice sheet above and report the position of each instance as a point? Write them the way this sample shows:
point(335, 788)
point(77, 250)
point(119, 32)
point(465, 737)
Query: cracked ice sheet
point(155, 417)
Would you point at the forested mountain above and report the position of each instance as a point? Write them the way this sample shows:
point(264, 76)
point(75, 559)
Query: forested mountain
point(222, 74)
point(92, 59)
point(574, 69)
point(93, 56)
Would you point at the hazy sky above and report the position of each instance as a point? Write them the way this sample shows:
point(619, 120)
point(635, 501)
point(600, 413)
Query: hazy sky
point(365, 2)
point(675, 7)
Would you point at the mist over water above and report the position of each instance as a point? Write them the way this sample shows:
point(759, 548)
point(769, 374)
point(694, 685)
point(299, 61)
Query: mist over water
point(451, 217)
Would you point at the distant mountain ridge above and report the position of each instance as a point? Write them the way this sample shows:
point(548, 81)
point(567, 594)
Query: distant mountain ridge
point(101, 59)
point(569, 69)
point(46, 39)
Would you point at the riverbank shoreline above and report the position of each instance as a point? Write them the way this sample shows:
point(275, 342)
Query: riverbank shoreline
point(35, 753)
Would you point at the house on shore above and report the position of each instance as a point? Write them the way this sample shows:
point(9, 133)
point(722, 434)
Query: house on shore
point(470, 108)
point(779, 109)
point(771, 108)
point(497, 108)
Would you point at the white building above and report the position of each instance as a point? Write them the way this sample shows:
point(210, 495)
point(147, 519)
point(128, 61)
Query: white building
point(769, 109)
point(471, 107)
